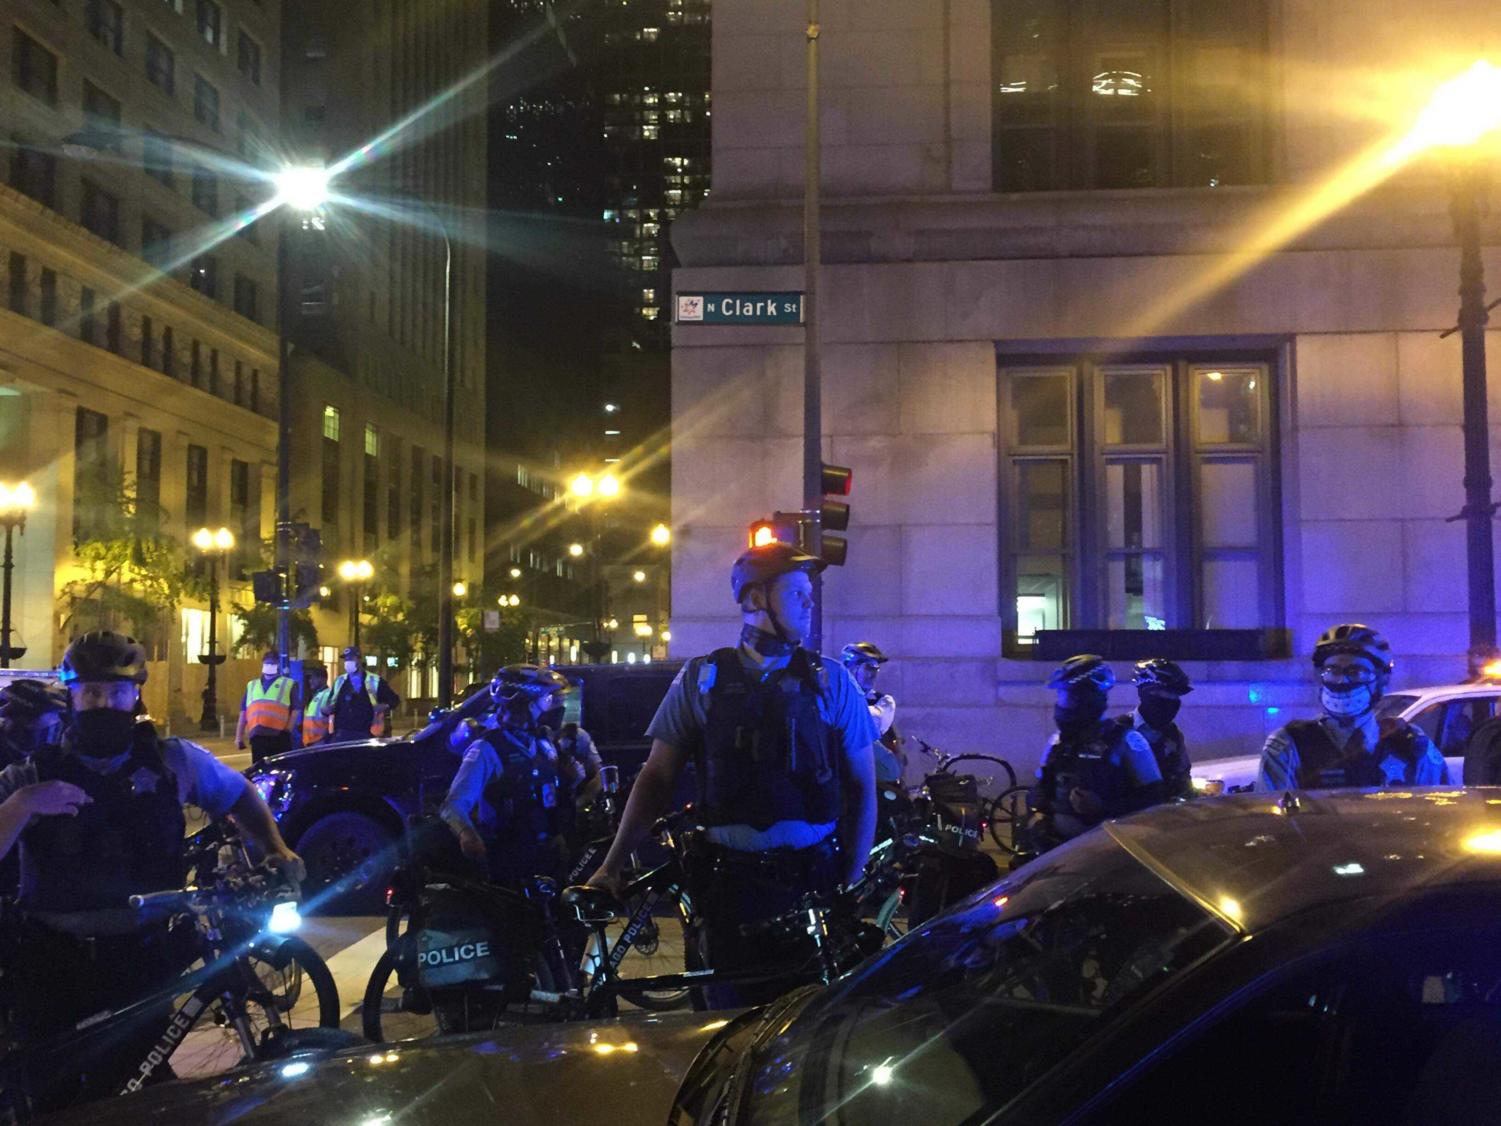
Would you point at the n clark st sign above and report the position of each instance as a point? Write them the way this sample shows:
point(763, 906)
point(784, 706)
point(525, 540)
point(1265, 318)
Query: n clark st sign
point(740, 308)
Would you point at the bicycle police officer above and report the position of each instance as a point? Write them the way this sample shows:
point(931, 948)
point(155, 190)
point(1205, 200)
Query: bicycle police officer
point(781, 742)
point(100, 818)
point(1095, 768)
point(1160, 687)
point(864, 660)
point(506, 804)
point(1349, 745)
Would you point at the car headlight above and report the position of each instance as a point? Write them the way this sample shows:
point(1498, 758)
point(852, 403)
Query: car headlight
point(275, 788)
point(1208, 787)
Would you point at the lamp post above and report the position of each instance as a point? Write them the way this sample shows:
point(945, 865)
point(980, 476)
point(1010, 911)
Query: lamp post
point(214, 545)
point(590, 491)
point(356, 572)
point(15, 502)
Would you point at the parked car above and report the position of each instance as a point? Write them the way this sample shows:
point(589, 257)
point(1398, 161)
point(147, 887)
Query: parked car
point(1332, 957)
point(1449, 713)
point(343, 806)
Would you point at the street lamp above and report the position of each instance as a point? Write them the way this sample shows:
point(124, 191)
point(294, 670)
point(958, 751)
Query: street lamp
point(214, 544)
point(460, 589)
point(661, 535)
point(356, 572)
point(1461, 113)
point(15, 502)
point(575, 549)
point(515, 572)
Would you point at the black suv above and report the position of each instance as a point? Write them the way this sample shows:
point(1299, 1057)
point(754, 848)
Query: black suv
point(343, 806)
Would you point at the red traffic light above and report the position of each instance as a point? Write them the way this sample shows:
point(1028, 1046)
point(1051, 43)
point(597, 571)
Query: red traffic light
point(836, 480)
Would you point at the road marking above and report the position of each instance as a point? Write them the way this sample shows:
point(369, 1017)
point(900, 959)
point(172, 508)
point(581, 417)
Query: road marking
point(352, 967)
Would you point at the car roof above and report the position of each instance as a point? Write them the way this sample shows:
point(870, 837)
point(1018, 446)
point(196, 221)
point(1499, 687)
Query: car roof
point(1468, 688)
point(1255, 859)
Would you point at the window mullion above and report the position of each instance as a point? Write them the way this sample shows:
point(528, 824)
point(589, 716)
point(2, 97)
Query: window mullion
point(1089, 531)
point(1184, 564)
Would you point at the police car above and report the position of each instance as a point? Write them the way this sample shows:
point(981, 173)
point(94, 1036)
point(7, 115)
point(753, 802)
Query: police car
point(1449, 713)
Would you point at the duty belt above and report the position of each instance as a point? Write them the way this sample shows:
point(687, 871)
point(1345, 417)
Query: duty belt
point(780, 864)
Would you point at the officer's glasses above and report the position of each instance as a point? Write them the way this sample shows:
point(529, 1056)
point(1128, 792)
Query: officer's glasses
point(1342, 676)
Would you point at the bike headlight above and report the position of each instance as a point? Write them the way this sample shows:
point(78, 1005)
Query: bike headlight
point(285, 918)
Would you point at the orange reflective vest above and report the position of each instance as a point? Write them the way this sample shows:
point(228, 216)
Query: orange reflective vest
point(372, 689)
point(316, 727)
point(268, 709)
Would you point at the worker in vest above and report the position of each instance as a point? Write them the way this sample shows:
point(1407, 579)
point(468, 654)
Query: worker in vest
point(269, 712)
point(359, 702)
point(315, 725)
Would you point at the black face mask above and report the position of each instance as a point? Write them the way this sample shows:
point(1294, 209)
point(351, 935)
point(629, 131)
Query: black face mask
point(1159, 711)
point(766, 644)
point(552, 718)
point(1085, 707)
point(103, 732)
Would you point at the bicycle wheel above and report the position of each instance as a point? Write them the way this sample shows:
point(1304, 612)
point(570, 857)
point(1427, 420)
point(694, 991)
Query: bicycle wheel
point(659, 948)
point(1007, 815)
point(993, 776)
point(390, 1011)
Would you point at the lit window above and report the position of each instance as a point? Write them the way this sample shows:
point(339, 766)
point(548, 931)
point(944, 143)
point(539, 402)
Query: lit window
point(649, 34)
point(648, 295)
point(648, 132)
point(649, 312)
point(331, 422)
point(372, 441)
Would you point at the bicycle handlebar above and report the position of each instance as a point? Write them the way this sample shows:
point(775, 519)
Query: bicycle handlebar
point(182, 897)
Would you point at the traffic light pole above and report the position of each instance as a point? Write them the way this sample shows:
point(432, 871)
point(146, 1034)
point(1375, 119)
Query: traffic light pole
point(812, 372)
point(284, 441)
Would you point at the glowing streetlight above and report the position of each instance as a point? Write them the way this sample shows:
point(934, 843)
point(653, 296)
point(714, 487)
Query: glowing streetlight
point(1460, 113)
point(214, 543)
point(515, 572)
point(638, 576)
point(220, 540)
point(575, 549)
point(460, 589)
point(582, 485)
point(608, 485)
point(302, 187)
point(661, 535)
point(508, 600)
point(356, 572)
point(665, 635)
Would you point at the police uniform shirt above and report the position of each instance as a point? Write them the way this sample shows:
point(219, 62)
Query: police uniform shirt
point(683, 715)
point(465, 806)
point(1280, 761)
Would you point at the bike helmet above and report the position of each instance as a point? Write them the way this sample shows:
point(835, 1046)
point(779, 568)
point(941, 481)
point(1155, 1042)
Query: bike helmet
point(103, 655)
point(1086, 668)
point(514, 683)
point(762, 564)
point(26, 700)
point(862, 652)
point(1159, 672)
point(1356, 639)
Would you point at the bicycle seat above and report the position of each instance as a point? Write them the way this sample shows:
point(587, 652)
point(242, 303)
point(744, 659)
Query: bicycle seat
point(593, 906)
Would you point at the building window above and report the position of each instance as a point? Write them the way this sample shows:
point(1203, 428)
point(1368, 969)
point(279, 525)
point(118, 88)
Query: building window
point(372, 440)
point(156, 242)
point(203, 275)
point(372, 500)
point(195, 364)
point(148, 474)
point(33, 172)
point(211, 23)
point(245, 297)
point(47, 307)
point(213, 371)
point(101, 117)
point(33, 68)
point(113, 326)
point(239, 383)
point(393, 494)
point(248, 229)
point(17, 295)
point(1155, 93)
point(1142, 494)
point(245, 517)
point(86, 315)
point(148, 342)
point(206, 102)
point(105, 21)
point(330, 481)
point(205, 191)
point(91, 472)
point(169, 352)
point(156, 157)
point(195, 507)
point(331, 423)
point(99, 212)
point(255, 390)
point(249, 57)
point(161, 65)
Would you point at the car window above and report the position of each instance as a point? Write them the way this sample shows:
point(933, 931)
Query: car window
point(1461, 717)
point(1394, 1030)
point(965, 1014)
point(633, 700)
point(1395, 704)
point(1431, 719)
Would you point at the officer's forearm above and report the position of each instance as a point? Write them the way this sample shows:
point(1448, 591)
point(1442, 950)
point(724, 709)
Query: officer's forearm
point(14, 816)
point(255, 819)
point(240, 729)
point(456, 819)
point(651, 797)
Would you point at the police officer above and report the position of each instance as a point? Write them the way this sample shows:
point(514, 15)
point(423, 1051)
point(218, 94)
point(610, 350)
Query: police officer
point(864, 660)
point(1160, 687)
point(100, 818)
point(269, 712)
point(1095, 768)
point(31, 717)
point(781, 742)
point(359, 702)
point(315, 726)
point(1349, 745)
point(506, 803)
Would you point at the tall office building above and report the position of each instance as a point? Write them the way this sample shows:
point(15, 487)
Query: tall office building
point(136, 330)
point(393, 100)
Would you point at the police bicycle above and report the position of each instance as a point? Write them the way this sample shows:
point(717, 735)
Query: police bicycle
point(252, 991)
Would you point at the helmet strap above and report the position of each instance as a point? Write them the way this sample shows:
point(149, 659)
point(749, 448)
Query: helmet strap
point(767, 644)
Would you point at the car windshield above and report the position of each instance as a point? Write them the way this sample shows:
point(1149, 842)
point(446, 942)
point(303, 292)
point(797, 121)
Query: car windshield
point(1395, 705)
point(961, 1017)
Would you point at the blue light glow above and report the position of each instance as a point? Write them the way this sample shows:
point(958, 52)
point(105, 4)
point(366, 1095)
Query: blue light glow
point(1273, 711)
point(285, 918)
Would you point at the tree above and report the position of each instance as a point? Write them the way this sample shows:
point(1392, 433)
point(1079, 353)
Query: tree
point(388, 630)
point(260, 626)
point(488, 650)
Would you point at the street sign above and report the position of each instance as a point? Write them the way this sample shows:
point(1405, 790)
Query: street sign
point(492, 621)
point(740, 308)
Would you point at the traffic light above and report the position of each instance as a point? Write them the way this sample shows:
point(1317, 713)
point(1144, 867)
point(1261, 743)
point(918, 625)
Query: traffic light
point(834, 515)
point(780, 527)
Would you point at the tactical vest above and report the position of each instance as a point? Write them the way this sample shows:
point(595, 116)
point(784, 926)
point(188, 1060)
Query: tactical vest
point(526, 795)
point(268, 709)
point(372, 689)
point(1093, 762)
point(1324, 765)
point(127, 841)
point(1170, 750)
point(766, 755)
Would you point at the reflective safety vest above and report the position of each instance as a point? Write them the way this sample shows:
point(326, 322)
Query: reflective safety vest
point(372, 689)
point(268, 709)
point(316, 727)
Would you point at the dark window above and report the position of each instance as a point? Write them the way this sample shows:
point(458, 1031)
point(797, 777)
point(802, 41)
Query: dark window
point(47, 309)
point(196, 506)
point(419, 464)
point(101, 117)
point(99, 211)
point(1141, 94)
point(169, 352)
point(105, 21)
point(245, 516)
point(34, 68)
point(148, 474)
point(148, 342)
point(203, 275)
point(113, 326)
point(211, 22)
point(90, 471)
point(249, 231)
point(250, 57)
point(1142, 494)
point(255, 389)
point(473, 542)
point(330, 482)
point(156, 157)
point(18, 302)
point(86, 326)
point(195, 363)
point(213, 371)
point(206, 102)
point(205, 191)
point(372, 502)
point(245, 297)
point(161, 64)
point(156, 242)
point(393, 490)
point(239, 383)
point(250, 139)
point(33, 172)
